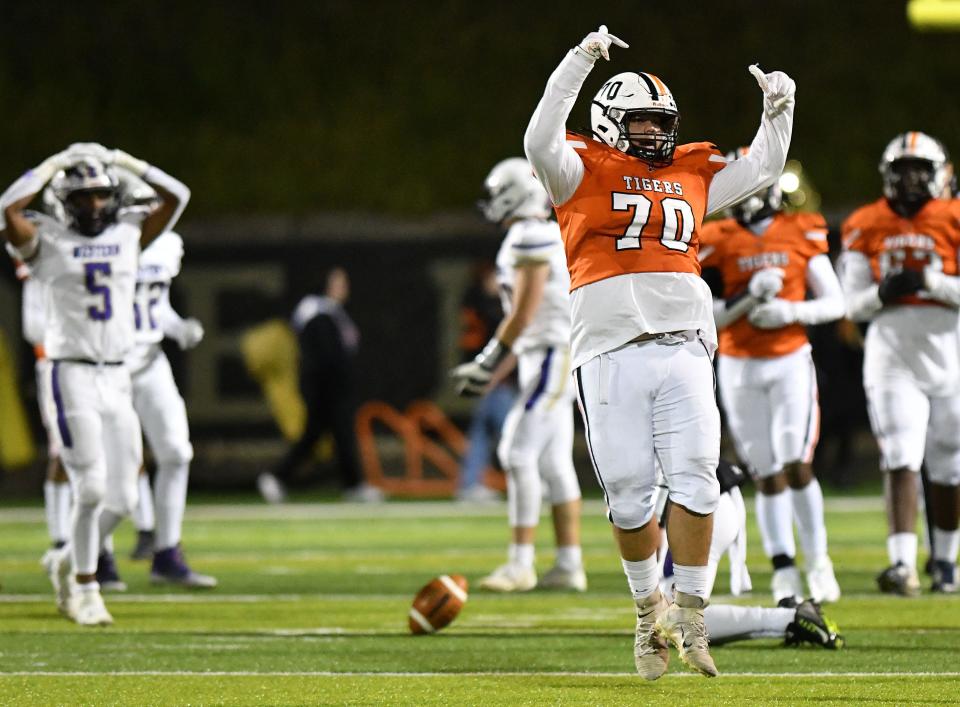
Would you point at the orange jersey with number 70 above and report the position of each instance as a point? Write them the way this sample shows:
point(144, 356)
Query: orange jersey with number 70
point(627, 217)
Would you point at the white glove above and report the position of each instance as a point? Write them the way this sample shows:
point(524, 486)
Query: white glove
point(128, 162)
point(90, 149)
point(597, 44)
point(766, 283)
point(472, 378)
point(778, 90)
point(189, 334)
point(773, 314)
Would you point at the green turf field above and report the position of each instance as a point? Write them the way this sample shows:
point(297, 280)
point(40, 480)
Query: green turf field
point(312, 603)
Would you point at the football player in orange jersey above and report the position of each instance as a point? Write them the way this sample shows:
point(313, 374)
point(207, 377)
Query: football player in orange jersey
point(899, 271)
point(630, 202)
point(768, 260)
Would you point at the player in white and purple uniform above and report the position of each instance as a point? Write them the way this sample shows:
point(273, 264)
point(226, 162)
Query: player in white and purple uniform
point(163, 417)
point(90, 267)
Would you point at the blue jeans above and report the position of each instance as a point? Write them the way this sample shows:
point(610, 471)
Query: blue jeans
point(485, 426)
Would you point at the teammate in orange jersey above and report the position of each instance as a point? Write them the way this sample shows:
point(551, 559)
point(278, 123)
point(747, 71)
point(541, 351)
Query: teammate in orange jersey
point(899, 271)
point(630, 202)
point(768, 260)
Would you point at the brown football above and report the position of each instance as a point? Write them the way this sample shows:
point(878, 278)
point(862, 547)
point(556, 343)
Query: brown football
point(437, 604)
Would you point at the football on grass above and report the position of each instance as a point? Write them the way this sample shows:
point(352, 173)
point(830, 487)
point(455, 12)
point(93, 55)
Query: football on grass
point(438, 603)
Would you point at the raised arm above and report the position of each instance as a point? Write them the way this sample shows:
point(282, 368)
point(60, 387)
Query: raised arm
point(556, 164)
point(173, 194)
point(765, 159)
point(16, 227)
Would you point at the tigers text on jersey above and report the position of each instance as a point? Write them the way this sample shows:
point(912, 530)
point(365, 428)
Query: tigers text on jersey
point(892, 242)
point(536, 240)
point(159, 264)
point(789, 243)
point(631, 234)
point(90, 285)
point(919, 338)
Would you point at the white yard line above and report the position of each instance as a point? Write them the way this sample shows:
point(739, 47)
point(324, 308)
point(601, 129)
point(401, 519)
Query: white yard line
point(454, 675)
point(414, 509)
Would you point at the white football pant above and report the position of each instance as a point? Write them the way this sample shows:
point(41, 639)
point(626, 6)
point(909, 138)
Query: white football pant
point(772, 409)
point(647, 403)
point(163, 416)
point(911, 426)
point(536, 443)
point(102, 451)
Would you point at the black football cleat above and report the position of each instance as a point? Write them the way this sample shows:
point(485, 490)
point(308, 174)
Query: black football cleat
point(809, 625)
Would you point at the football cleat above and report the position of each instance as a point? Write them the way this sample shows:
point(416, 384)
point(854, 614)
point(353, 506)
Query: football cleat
point(899, 579)
point(107, 575)
point(143, 550)
point(682, 623)
point(809, 625)
point(364, 493)
point(88, 609)
point(650, 652)
point(510, 577)
point(57, 564)
point(944, 576)
point(170, 567)
point(560, 578)
point(271, 488)
point(786, 582)
point(822, 582)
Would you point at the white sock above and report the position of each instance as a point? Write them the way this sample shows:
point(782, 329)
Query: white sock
point(85, 541)
point(727, 623)
point(642, 576)
point(521, 554)
point(808, 511)
point(775, 518)
point(902, 547)
point(143, 515)
point(946, 544)
point(691, 579)
point(93, 586)
point(56, 504)
point(171, 501)
point(569, 557)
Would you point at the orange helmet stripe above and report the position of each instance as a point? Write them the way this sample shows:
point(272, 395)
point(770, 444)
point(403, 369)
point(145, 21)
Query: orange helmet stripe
point(913, 140)
point(660, 86)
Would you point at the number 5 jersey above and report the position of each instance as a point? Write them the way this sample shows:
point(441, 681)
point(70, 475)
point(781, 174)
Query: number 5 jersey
point(90, 287)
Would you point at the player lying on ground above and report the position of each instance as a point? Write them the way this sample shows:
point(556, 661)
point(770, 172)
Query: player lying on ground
point(796, 621)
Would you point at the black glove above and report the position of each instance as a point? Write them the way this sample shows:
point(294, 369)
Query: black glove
point(900, 284)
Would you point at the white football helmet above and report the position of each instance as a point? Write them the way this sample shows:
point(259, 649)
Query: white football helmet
point(631, 95)
point(915, 168)
point(87, 175)
point(514, 192)
point(759, 205)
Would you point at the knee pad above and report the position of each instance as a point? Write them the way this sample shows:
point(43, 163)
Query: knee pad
point(89, 485)
point(943, 463)
point(514, 459)
point(696, 495)
point(174, 454)
point(562, 483)
point(630, 506)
